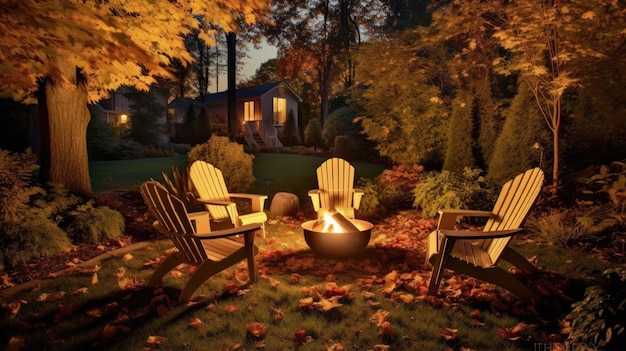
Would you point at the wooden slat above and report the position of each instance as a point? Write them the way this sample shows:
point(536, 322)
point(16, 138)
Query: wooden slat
point(210, 185)
point(335, 179)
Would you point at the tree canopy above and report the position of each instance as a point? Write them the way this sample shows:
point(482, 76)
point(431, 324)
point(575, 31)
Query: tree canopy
point(113, 42)
point(75, 51)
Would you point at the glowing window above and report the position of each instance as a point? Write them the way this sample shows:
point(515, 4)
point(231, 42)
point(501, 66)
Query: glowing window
point(280, 110)
point(248, 111)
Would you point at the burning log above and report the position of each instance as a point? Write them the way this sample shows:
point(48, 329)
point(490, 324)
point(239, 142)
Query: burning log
point(335, 223)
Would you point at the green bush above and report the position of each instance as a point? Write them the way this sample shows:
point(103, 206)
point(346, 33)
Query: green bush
point(157, 151)
point(452, 190)
point(35, 236)
point(57, 203)
point(96, 224)
point(15, 187)
point(102, 139)
point(128, 149)
point(600, 318)
point(313, 133)
point(370, 206)
point(230, 158)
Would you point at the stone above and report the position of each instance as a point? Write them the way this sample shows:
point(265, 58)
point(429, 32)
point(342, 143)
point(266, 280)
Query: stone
point(284, 204)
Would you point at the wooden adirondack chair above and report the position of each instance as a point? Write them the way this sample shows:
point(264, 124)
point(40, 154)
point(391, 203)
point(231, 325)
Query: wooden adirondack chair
point(209, 183)
point(335, 179)
point(476, 253)
point(210, 251)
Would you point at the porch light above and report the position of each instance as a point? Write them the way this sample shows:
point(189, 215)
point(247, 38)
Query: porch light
point(123, 119)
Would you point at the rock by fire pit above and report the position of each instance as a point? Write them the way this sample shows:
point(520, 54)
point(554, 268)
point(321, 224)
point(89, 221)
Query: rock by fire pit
point(337, 236)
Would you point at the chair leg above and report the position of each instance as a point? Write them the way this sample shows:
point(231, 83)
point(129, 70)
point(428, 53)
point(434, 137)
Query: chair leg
point(206, 270)
point(494, 275)
point(167, 265)
point(519, 261)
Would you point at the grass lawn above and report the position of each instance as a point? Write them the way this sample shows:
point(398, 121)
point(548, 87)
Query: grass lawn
point(373, 301)
point(274, 172)
point(376, 302)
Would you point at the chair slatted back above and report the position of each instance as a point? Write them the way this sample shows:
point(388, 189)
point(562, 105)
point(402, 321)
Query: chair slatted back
point(335, 179)
point(210, 185)
point(512, 207)
point(172, 220)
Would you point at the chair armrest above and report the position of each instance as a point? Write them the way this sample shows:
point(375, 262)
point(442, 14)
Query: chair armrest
point(356, 197)
point(200, 220)
point(473, 234)
point(315, 199)
point(448, 217)
point(257, 200)
point(230, 231)
point(215, 202)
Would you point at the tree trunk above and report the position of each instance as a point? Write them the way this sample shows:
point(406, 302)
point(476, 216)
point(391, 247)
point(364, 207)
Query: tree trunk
point(233, 126)
point(68, 118)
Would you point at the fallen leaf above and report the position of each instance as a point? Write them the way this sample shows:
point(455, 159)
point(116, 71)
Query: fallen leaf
point(110, 330)
point(195, 322)
point(94, 279)
point(335, 347)
point(300, 336)
point(176, 274)
point(45, 297)
point(80, 291)
point(127, 257)
point(379, 317)
point(294, 278)
point(13, 307)
point(385, 329)
point(155, 340)
point(381, 347)
point(230, 308)
point(278, 313)
point(96, 312)
point(257, 329)
point(448, 333)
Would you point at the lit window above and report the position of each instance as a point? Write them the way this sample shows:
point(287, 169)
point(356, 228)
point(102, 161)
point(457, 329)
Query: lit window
point(280, 110)
point(248, 111)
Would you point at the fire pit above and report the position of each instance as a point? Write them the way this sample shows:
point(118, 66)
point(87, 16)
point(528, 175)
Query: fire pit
point(337, 236)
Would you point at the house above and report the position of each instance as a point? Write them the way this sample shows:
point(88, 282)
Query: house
point(262, 110)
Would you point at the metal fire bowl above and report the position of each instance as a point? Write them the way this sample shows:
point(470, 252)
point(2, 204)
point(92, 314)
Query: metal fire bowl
point(338, 245)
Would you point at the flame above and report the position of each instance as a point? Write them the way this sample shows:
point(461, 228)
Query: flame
point(330, 225)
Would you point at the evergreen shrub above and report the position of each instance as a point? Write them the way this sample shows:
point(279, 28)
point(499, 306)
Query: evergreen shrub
point(313, 133)
point(230, 158)
point(96, 224)
point(445, 190)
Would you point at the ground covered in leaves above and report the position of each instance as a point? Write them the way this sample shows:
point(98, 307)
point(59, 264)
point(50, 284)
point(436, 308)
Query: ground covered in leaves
point(392, 266)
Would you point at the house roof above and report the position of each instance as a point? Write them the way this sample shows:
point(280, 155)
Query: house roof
point(245, 93)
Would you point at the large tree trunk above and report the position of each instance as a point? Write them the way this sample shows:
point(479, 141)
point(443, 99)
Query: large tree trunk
point(68, 118)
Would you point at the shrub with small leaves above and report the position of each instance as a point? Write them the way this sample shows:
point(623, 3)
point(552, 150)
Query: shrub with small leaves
point(600, 318)
point(452, 190)
point(370, 202)
point(34, 237)
point(96, 224)
point(230, 158)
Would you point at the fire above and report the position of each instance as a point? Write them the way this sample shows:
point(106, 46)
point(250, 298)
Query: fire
point(335, 222)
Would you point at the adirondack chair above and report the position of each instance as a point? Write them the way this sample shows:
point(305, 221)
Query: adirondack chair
point(210, 251)
point(335, 179)
point(476, 253)
point(209, 183)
